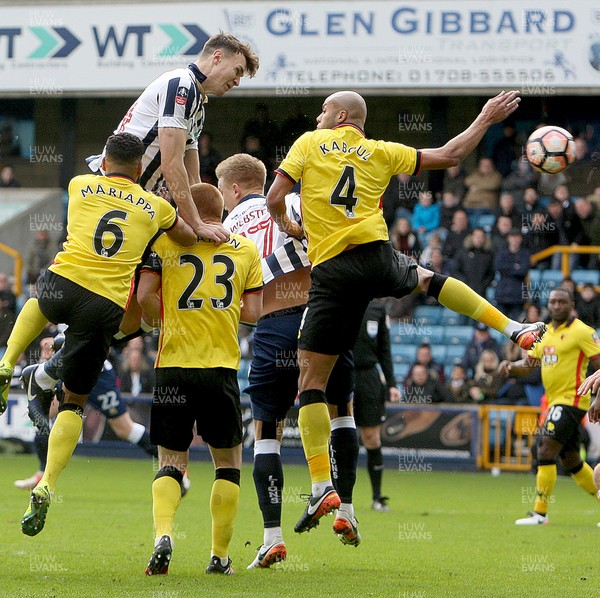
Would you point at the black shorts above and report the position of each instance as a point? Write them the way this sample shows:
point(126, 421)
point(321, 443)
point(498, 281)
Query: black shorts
point(92, 321)
point(562, 424)
point(369, 397)
point(342, 287)
point(208, 397)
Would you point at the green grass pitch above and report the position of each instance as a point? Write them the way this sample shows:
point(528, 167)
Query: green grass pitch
point(449, 534)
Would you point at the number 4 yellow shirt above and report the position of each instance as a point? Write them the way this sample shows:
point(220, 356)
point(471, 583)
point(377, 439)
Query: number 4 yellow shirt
point(343, 177)
point(110, 222)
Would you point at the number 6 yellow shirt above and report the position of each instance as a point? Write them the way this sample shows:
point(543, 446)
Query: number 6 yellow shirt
point(110, 222)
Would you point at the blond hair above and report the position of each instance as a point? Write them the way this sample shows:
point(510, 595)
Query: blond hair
point(244, 169)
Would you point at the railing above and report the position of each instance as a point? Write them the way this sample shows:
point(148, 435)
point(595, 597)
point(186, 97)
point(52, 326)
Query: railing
point(507, 435)
point(565, 250)
point(18, 268)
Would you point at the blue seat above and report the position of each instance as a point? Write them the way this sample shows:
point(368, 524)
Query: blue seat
point(486, 222)
point(431, 334)
point(458, 335)
point(535, 276)
point(400, 371)
point(454, 354)
point(427, 314)
point(551, 279)
point(586, 277)
point(498, 336)
point(438, 352)
point(407, 333)
point(403, 353)
point(451, 318)
point(490, 293)
point(413, 337)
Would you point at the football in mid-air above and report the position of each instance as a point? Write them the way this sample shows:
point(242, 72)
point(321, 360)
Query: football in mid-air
point(550, 149)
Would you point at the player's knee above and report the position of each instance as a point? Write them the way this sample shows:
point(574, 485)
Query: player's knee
point(431, 282)
point(572, 468)
point(547, 452)
point(371, 437)
point(170, 471)
point(309, 397)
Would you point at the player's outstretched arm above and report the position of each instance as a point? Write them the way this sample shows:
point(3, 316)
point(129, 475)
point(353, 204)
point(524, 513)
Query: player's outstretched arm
point(148, 297)
point(182, 233)
point(252, 305)
point(495, 110)
point(172, 148)
point(276, 206)
point(518, 368)
point(592, 382)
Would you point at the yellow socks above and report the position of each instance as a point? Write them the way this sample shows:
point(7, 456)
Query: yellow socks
point(166, 496)
point(28, 326)
point(459, 297)
point(585, 479)
point(224, 501)
point(315, 429)
point(544, 485)
point(61, 444)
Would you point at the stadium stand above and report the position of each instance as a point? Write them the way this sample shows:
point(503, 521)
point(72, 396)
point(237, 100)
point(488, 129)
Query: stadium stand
point(581, 277)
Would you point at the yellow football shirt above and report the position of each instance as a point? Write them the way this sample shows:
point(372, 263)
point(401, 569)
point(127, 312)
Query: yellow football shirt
point(564, 353)
point(201, 290)
point(343, 177)
point(110, 221)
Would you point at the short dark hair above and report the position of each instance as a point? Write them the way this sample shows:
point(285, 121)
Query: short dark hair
point(424, 346)
point(232, 45)
point(566, 291)
point(124, 148)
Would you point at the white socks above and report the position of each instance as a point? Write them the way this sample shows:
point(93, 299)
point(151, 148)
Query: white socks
point(137, 431)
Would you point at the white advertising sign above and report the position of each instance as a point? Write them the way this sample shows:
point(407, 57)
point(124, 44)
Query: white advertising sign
point(15, 423)
point(307, 45)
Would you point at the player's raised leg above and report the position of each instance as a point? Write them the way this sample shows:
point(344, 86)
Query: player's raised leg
point(224, 502)
point(166, 496)
point(457, 296)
